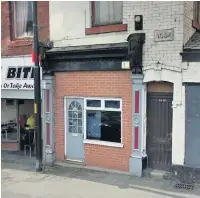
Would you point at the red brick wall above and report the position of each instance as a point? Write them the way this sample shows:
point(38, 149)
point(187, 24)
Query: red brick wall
point(11, 47)
point(96, 84)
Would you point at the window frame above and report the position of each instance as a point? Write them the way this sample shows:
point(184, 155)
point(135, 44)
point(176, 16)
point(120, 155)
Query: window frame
point(13, 25)
point(196, 21)
point(102, 108)
point(93, 16)
point(102, 29)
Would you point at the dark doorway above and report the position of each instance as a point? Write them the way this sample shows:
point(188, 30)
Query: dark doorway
point(159, 130)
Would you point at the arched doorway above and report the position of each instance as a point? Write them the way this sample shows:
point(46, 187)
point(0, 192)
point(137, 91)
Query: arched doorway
point(159, 125)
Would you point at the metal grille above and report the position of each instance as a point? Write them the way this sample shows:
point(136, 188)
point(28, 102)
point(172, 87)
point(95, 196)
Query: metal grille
point(159, 130)
point(186, 175)
point(184, 186)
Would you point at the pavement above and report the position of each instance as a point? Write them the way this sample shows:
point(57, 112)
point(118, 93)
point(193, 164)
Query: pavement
point(21, 181)
point(17, 157)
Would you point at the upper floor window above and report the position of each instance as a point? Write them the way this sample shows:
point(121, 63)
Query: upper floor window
point(23, 19)
point(107, 12)
point(196, 21)
point(197, 11)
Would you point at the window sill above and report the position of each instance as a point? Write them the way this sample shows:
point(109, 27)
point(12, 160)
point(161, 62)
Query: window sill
point(23, 38)
point(195, 25)
point(106, 29)
point(103, 143)
point(20, 42)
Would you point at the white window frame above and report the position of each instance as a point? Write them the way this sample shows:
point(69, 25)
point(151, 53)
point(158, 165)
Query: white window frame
point(102, 108)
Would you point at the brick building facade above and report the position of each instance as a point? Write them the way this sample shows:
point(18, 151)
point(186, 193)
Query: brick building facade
point(155, 111)
point(116, 88)
point(11, 46)
point(153, 101)
point(17, 84)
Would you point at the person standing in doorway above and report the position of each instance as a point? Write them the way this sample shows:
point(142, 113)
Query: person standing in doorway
point(30, 125)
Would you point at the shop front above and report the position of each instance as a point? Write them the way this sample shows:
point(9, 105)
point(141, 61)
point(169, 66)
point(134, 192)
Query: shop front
point(92, 105)
point(17, 100)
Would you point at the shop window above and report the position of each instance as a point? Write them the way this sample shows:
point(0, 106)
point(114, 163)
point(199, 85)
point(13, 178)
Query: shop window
point(107, 12)
point(14, 114)
point(23, 19)
point(9, 120)
point(103, 123)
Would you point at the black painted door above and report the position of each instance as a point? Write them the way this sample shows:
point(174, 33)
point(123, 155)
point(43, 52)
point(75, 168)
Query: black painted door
point(159, 130)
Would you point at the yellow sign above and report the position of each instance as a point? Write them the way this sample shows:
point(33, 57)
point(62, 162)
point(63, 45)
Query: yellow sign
point(35, 108)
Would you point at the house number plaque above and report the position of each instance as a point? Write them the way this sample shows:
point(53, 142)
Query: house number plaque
point(164, 35)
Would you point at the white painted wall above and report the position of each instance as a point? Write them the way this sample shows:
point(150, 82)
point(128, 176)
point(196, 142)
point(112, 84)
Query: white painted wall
point(68, 21)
